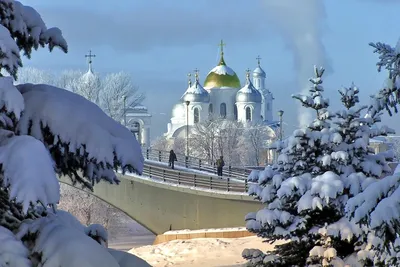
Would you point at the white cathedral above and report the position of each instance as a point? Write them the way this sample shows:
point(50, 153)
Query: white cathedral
point(222, 95)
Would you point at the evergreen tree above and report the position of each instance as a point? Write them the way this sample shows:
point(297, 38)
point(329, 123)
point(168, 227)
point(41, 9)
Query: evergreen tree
point(44, 132)
point(306, 204)
point(377, 208)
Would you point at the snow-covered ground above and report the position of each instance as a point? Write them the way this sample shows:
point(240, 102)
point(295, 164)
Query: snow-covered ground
point(210, 252)
point(211, 230)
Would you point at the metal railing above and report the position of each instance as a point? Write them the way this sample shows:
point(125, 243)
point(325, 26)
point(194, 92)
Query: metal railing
point(195, 179)
point(196, 164)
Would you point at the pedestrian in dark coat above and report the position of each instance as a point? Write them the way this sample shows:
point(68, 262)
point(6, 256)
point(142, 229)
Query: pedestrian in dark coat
point(220, 164)
point(172, 159)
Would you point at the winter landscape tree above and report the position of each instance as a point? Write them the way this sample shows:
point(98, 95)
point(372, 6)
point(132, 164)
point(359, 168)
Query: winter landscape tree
point(112, 93)
point(319, 170)
point(36, 145)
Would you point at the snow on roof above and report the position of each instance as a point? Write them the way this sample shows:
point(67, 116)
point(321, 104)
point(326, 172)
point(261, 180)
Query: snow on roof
point(223, 70)
point(197, 89)
point(378, 139)
point(139, 107)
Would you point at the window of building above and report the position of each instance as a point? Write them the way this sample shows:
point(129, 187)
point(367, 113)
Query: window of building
point(268, 106)
point(210, 109)
point(248, 114)
point(196, 115)
point(222, 110)
point(235, 113)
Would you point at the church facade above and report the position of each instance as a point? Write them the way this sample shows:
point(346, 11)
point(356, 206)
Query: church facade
point(222, 95)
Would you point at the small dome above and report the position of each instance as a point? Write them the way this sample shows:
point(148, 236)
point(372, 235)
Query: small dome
point(259, 72)
point(222, 76)
point(248, 93)
point(196, 92)
point(178, 111)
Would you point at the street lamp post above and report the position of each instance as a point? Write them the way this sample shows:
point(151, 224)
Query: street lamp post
point(280, 114)
point(124, 110)
point(187, 128)
point(187, 133)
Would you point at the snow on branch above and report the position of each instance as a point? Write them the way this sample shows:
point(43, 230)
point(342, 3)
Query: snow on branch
point(79, 135)
point(12, 251)
point(22, 29)
point(388, 97)
point(34, 181)
point(59, 245)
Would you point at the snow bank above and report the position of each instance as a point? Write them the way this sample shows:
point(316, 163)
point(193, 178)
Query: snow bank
point(200, 252)
point(188, 231)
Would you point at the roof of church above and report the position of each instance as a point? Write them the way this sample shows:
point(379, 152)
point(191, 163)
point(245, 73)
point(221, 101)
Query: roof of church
point(248, 93)
point(259, 72)
point(221, 76)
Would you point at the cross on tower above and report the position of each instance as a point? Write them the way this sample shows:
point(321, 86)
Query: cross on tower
point(189, 79)
point(258, 60)
point(248, 74)
point(90, 55)
point(222, 44)
point(196, 74)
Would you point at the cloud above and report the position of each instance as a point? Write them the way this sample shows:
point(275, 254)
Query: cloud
point(146, 27)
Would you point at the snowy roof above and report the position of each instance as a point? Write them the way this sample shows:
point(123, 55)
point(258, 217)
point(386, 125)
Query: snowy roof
point(196, 93)
point(248, 93)
point(378, 139)
point(223, 70)
point(259, 72)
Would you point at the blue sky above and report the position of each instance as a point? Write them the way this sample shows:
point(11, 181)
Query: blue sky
point(158, 42)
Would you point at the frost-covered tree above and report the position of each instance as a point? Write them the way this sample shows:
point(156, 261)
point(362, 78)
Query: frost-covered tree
point(377, 208)
point(46, 131)
point(319, 168)
point(109, 92)
point(118, 92)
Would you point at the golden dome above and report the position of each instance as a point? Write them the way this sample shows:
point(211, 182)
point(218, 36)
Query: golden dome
point(222, 76)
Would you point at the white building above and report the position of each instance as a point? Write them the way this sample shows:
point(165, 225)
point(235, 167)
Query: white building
point(222, 95)
point(138, 121)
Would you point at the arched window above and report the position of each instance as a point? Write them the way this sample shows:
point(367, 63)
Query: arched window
point(196, 115)
point(210, 109)
point(268, 106)
point(235, 113)
point(248, 114)
point(222, 110)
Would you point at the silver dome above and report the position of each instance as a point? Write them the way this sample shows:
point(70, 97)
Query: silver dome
point(259, 72)
point(196, 93)
point(248, 93)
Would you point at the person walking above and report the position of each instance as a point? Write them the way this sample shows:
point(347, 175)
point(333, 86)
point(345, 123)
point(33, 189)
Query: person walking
point(220, 164)
point(172, 159)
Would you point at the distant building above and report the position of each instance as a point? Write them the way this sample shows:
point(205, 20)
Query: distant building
point(138, 121)
point(222, 95)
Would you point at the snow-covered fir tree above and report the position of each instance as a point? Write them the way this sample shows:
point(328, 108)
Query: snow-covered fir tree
point(43, 134)
point(377, 208)
point(319, 168)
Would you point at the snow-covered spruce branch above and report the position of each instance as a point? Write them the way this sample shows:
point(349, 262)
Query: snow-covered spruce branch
point(44, 130)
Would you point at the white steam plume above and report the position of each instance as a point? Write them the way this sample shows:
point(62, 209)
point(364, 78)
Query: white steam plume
point(301, 23)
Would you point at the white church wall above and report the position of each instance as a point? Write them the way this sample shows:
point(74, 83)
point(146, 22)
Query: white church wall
point(255, 111)
point(227, 96)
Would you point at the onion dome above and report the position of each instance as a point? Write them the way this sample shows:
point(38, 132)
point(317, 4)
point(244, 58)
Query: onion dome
point(222, 76)
point(259, 72)
point(196, 92)
point(248, 93)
